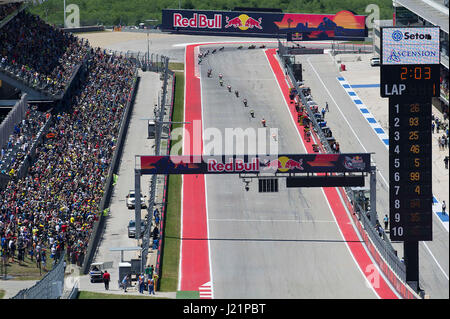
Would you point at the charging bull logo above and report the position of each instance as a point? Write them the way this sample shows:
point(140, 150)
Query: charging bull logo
point(243, 22)
point(284, 164)
point(354, 163)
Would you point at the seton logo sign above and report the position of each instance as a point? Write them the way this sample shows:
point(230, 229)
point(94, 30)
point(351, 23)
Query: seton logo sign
point(410, 45)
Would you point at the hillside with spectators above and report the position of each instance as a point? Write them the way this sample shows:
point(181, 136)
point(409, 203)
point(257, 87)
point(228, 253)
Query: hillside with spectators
point(39, 54)
point(8, 8)
point(55, 206)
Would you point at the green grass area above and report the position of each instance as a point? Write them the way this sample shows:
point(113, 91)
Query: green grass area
point(171, 250)
point(99, 295)
point(26, 270)
point(188, 294)
point(2, 293)
point(176, 66)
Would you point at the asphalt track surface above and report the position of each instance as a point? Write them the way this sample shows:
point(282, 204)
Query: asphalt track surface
point(281, 245)
point(351, 130)
point(251, 228)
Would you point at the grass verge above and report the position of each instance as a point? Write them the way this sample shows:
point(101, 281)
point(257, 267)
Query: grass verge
point(171, 249)
point(99, 295)
point(26, 270)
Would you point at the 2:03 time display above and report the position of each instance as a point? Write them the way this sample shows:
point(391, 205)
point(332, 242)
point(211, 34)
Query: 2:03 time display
point(415, 72)
point(410, 80)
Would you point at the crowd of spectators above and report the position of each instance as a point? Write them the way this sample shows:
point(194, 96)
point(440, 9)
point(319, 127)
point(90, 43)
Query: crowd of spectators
point(55, 206)
point(25, 133)
point(38, 54)
point(8, 8)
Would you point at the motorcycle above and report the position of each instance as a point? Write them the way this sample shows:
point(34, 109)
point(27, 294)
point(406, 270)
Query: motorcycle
point(245, 102)
point(252, 113)
point(221, 82)
point(229, 88)
point(237, 93)
point(263, 122)
point(209, 73)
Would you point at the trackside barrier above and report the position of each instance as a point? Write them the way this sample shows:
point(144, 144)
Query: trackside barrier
point(363, 226)
point(379, 248)
point(100, 222)
point(51, 286)
point(164, 206)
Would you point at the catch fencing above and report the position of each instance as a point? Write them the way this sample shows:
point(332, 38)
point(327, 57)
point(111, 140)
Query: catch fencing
point(51, 286)
point(145, 60)
point(166, 100)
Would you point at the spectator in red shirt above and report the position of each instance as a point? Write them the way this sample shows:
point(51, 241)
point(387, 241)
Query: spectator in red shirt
point(106, 279)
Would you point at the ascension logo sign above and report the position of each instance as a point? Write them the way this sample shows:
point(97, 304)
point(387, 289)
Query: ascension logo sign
point(393, 57)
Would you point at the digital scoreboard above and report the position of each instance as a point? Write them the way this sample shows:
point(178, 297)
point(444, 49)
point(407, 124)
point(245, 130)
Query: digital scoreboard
point(410, 77)
point(410, 169)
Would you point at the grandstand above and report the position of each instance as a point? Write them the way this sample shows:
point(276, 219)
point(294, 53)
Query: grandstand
point(58, 139)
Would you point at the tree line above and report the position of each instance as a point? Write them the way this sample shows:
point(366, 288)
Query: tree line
point(133, 12)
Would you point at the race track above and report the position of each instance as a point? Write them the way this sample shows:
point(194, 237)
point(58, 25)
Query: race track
point(268, 245)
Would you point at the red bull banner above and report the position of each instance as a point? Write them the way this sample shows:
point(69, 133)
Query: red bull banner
point(234, 164)
point(342, 25)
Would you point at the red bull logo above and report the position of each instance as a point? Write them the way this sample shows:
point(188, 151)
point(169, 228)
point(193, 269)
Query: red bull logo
point(354, 163)
point(243, 22)
point(284, 164)
point(197, 21)
point(233, 166)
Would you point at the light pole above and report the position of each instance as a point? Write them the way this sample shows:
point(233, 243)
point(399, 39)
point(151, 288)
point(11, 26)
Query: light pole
point(64, 22)
point(148, 42)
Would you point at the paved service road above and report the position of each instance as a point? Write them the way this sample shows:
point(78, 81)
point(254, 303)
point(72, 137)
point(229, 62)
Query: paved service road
point(354, 134)
point(268, 245)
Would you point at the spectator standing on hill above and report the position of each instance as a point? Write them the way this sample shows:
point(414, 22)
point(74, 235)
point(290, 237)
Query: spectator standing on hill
point(444, 207)
point(151, 286)
point(446, 162)
point(141, 283)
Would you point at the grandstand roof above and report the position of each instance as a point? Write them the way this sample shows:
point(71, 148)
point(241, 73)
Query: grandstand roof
point(11, 1)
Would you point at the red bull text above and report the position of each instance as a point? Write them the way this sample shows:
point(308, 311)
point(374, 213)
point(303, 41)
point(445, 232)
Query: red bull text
point(197, 21)
point(233, 166)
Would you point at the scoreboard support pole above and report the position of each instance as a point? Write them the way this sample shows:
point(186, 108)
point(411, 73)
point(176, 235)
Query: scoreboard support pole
point(373, 195)
point(411, 257)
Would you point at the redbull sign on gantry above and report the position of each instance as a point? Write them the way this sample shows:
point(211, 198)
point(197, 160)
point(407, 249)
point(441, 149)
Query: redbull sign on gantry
point(234, 164)
point(342, 25)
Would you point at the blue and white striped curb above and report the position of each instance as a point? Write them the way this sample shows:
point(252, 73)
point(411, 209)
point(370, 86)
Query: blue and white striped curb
point(365, 111)
point(437, 206)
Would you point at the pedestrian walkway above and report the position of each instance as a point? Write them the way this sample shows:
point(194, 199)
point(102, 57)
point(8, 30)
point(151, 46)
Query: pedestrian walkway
point(12, 287)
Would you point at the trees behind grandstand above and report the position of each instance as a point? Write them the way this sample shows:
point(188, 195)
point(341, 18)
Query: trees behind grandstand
point(133, 12)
